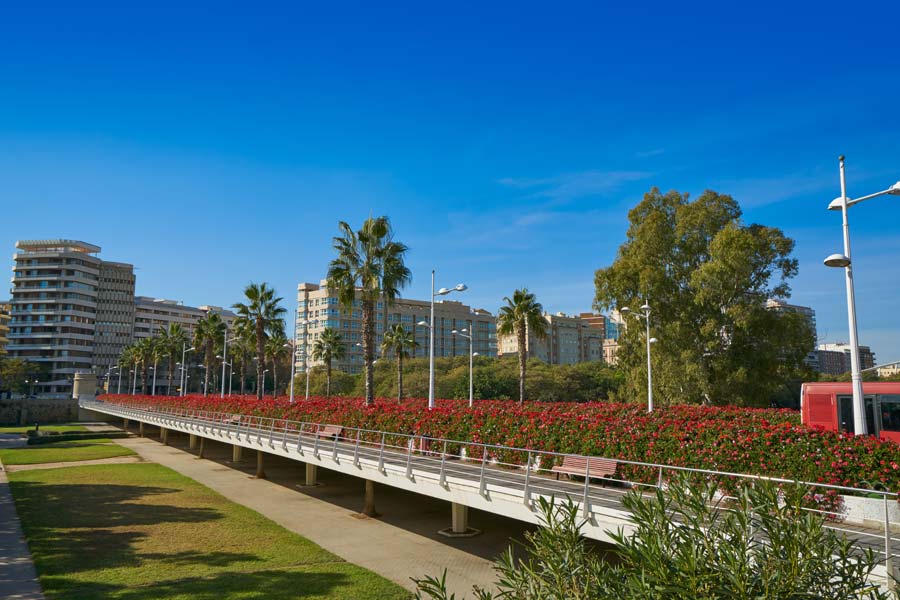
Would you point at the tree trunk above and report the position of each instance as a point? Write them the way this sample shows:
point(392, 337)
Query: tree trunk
point(368, 315)
point(523, 357)
point(171, 375)
point(260, 358)
point(243, 378)
point(328, 377)
point(369, 506)
point(400, 377)
point(207, 358)
point(275, 378)
point(144, 378)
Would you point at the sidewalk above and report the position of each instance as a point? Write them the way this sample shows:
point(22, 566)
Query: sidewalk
point(402, 544)
point(18, 579)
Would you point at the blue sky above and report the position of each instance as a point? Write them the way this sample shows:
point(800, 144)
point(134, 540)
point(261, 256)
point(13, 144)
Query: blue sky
point(216, 144)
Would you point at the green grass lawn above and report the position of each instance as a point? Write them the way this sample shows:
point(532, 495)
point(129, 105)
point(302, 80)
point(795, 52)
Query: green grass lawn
point(23, 428)
point(143, 532)
point(63, 452)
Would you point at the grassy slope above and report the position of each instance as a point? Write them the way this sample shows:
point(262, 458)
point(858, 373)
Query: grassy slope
point(23, 428)
point(142, 532)
point(63, 452)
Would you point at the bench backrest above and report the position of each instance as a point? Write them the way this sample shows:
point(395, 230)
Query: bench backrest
point(330, 431)
point(580, 464)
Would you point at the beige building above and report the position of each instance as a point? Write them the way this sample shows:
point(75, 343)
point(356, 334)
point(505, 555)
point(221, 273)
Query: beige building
point(569, 340)
point(889, 370)
point(834, 359)
point(114, 320)
point(318, 308)
point(4, 326)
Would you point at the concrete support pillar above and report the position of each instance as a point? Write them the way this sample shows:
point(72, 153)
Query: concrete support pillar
point(164, 435)
point(260, 471)
point(125, 424)
point(192, 441)
point(311, 474)
point(202, 447)
point(459, 518)
point(236, 453)
point(369, 506)
point(141, 428)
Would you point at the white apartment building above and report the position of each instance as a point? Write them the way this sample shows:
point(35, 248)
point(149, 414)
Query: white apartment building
point(318, 308)
point(569, 340)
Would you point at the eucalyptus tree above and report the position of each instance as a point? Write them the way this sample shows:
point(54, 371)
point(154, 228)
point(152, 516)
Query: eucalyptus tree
point(522, 316)
point(208, 334)
point(329, 347)
point(171, 341)
point(277, 347)
point(262, 312)
point(399, 342)
point(708, 276)
point(368, 267)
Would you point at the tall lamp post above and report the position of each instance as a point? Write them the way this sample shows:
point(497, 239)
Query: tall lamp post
point(224, 358)
point(460, 287)
point(184, 351)
point(295, 354)
point(645, 314)
point(461, 333)
point(843, 260)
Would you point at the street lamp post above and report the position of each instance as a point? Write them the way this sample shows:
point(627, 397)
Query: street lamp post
point(295, 354)
point(843, 260)
point(134, 382)
point(460, 287)
point(119, 388)
point(153, 391)
point(645, 314)
point(469, 337)
point(224, 358)
point(184, 351)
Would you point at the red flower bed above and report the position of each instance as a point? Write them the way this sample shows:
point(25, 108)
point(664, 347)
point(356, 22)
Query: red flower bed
point(739, 440)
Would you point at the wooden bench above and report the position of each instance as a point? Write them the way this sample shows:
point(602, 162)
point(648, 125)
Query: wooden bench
point(578, 465)
point(330, 431)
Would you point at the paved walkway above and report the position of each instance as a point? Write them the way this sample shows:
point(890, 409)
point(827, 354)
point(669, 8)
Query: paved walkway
point(402, 544)
point(116, 460)
point(18, 579)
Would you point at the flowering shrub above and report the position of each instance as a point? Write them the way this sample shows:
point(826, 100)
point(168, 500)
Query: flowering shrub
point(740, 440)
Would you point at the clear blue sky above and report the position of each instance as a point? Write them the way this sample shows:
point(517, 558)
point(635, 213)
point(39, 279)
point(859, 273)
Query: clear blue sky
point(213, 145)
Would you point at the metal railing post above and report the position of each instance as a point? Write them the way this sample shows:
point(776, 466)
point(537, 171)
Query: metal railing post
point(284, 437)
point(316, 441)
point(482, 484)
point(300, 439)
point(356, 451)
point(443, 478)
point(381, 455)
point(527, 492)
point(334, 448)
point(659, 481)
point(586, 503)
point(888, 552)
point(409, 446)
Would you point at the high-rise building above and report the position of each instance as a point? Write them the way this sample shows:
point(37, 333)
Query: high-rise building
point(4, 326)
point(812, 357)
point(834, 359)
point(569, 340)
point(56, 293)
point(115, 315)
point(319, 307)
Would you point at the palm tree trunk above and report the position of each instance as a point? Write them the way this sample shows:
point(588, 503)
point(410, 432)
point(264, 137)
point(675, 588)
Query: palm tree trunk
point(400, 377)
point(275, 377)
point(145, 378)
point(260, 357)
point(523, 357)
point(171, 374)
point(368, 315)
point(207, 358)
point(328, 378)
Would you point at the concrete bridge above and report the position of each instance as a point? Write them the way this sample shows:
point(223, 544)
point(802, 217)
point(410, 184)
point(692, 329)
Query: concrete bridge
point(465, 474)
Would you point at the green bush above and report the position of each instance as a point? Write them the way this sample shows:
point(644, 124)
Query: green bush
point(687, 544)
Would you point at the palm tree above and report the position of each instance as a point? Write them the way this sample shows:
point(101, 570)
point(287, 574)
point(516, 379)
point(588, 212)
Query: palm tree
point(399, 341)
point(128, 359)
point(263, 313)
point(172, 340)
point(145, 353)
point(368, 267)
point(523, 315)
point(208, 333)
point(277, 348)
point(241, 349)
point(329, 347)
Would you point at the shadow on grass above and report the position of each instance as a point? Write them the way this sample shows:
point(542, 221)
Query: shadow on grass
point(321, 582)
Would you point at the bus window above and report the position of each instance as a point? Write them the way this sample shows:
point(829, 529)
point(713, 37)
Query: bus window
point(890, 412)
point(845, 404)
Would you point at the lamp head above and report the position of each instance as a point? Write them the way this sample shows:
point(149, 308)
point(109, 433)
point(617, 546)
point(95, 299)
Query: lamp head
point(461, 287)
point(422, 324)
point(443, 292)
point(475, 354)
point(894, 190)
point(836, 204)
point(653, 340)
point(453, 331)
point(624, 310)
point(837, 260)
point(645, 306)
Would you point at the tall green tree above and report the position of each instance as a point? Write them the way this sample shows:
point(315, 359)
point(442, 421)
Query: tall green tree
point(172, 341)
point(399, 342)
point(368, 267)
point(329, 347)
point(209, 333)
point(277, 348)
point(262, 311)
point(707, 276)
point(522, 316)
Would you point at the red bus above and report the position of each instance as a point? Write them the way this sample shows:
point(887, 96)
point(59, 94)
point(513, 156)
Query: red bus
point(830, 405)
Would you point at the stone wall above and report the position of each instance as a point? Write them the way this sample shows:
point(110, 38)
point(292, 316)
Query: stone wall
point(28, 411)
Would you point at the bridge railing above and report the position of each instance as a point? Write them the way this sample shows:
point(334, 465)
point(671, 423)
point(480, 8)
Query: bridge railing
point(527, 468)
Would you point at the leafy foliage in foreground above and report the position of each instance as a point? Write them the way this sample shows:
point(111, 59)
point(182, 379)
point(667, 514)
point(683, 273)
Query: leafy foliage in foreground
point(686, 544)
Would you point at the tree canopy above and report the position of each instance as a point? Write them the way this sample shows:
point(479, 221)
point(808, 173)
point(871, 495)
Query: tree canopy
point(707, 276)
